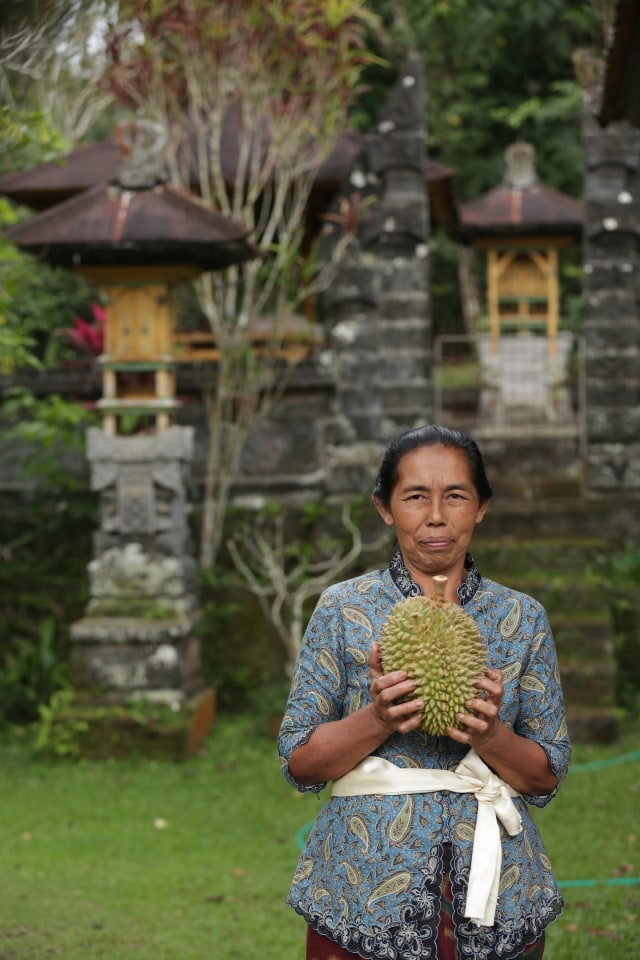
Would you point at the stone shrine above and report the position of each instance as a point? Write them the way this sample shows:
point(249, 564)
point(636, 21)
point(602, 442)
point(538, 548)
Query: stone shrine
point(138, 642)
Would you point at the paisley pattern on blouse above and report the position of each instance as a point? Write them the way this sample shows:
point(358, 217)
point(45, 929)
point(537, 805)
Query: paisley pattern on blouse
point(370, 874)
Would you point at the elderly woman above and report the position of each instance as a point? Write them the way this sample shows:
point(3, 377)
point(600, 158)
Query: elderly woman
point(426, 848)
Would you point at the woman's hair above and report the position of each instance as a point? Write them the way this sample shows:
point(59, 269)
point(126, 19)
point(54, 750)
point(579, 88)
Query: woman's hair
point(429, 435)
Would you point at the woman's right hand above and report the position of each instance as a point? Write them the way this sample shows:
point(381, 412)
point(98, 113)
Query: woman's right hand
point(386, 691)
point(337, 746)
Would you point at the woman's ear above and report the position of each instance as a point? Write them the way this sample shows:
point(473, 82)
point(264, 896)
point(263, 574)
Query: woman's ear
point(384, 511)
point(482, 509)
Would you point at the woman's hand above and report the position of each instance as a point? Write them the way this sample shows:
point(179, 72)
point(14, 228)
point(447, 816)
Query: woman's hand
point(386, 691)
point(480, 721)
point(336, 746)
point(521, 762)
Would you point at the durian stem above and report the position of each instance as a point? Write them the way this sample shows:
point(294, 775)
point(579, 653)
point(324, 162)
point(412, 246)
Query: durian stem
point(439, 584)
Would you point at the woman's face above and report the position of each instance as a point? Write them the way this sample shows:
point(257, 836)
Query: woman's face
point(434, 508)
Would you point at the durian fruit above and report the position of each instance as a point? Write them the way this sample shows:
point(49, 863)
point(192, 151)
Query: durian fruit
point(441, 648)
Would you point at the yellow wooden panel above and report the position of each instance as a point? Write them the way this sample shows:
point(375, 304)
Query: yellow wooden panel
point(139, 323)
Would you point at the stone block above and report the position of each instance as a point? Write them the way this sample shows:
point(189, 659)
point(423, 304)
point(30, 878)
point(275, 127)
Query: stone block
point(404, 364)
point(413, 399)
point(605, 423)
point(404, 311)
point(603, 393)
point(400, 274)
point(125, 655)
point(589, 684)
point(136, 731)
point(126, 576)
point(353, 467)
point(277, 447)
point(357, 283)
point(613, 466)
point(354, 333)
point(400, 151)
point(603, 336)
point(593, 725)
point(614, 366)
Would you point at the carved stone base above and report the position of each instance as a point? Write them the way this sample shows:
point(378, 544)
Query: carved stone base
point(131, 657)
point(120, 732)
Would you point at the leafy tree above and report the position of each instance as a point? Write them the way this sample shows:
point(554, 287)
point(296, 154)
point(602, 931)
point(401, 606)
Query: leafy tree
point(496, 70)
point(37, 303)
point(277, 76)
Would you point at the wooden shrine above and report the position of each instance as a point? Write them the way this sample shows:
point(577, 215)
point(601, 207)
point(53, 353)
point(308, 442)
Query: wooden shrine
point(136, 238)
point(521, 226)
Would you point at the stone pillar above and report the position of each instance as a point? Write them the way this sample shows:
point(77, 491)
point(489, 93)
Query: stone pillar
point(379, 302)
point(138, 641)
point(399, 232)
point(612, 305)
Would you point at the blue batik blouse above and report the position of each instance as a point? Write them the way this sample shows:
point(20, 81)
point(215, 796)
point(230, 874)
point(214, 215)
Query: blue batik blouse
point(370, 874)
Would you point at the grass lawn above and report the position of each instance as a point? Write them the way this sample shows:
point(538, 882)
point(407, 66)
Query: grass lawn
point(161, 861)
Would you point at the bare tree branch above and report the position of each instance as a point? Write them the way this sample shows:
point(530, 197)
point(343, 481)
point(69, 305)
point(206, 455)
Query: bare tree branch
point(264, 559)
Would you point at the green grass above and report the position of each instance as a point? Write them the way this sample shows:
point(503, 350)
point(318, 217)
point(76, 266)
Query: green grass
point(86, 873)
point(592, 833)
point(90, 870)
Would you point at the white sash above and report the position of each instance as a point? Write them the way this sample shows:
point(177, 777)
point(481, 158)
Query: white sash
point(472, 775)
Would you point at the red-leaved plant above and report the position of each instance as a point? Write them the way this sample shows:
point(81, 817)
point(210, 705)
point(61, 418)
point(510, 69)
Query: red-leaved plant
point(88, 336)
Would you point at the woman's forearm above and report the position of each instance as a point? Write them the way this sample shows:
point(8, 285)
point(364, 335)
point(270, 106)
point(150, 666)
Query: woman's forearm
point(335, 747)
point(522, 763)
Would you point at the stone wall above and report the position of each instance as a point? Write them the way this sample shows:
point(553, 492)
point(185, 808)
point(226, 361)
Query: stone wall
point(373, 376)
point(612, 305)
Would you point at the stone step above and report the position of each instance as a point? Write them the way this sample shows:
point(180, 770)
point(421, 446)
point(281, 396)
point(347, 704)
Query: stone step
point(588, 684)
point(562, 594)
point(536, 557)
point(593, 724)
point(528, 518)
point(561, 572)
point(583, 637)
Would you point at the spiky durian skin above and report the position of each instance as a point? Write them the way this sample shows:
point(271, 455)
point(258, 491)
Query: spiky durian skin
point(441, 648)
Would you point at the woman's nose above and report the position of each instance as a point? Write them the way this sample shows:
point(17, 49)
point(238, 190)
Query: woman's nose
point(435, 512)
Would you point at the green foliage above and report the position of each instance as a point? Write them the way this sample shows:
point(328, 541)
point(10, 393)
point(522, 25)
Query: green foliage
point(618, 575)
point(26, 139)
point(49, 426)
point(496, 69)
point(624, 579)
point(240, 652)
point(37, 304)
point(244, 654)
point(58, 732)
point(31, 672)
point(44, 549)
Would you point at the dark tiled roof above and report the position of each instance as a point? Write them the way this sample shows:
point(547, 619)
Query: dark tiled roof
point(97, 163)
point(534, 207)
point(56, 180)
point(107, 224)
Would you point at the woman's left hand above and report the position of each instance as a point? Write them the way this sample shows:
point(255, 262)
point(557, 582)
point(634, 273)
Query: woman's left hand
point(480, 721)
